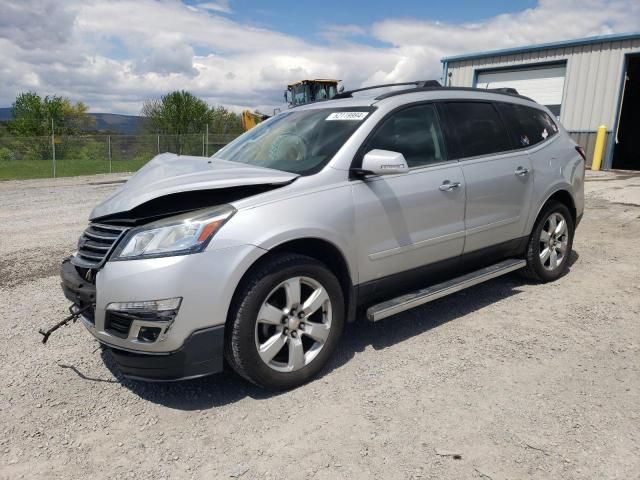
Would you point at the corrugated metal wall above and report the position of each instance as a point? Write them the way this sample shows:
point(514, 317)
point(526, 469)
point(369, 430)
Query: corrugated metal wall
point(587, 140)
point(591, 87)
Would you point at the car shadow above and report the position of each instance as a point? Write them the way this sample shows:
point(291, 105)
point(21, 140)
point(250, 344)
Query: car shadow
point(227, 387)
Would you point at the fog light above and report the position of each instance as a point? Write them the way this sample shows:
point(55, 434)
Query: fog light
point(122, 317)
point(148, 334)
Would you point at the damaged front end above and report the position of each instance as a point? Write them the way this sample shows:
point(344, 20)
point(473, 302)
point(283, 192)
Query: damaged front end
point(160, 219)
point(169, 185)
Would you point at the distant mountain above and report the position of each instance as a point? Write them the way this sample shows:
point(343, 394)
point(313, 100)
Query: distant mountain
point(105, 122)
point(116, 123)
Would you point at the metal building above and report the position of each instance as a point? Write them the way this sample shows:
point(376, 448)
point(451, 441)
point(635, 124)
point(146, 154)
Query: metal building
point(586, 82)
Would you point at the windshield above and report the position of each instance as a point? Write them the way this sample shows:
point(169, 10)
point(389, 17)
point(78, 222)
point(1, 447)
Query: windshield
point(299, 142)
point(300, 94)
point(311, 92)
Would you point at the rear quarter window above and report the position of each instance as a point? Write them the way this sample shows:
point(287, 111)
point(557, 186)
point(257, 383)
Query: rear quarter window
point(527, 126)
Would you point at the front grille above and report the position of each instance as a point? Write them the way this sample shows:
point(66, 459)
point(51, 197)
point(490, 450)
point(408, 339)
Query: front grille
point(95, 245)
point(117, 324)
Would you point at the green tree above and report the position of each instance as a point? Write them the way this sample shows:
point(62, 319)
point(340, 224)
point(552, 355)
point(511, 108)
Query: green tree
point(178, 114)
point(33, 115)
point(224, 121)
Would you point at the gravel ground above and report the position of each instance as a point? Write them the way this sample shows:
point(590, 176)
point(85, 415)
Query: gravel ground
point(520, 380)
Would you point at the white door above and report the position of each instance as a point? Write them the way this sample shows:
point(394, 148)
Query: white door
point(544, 84)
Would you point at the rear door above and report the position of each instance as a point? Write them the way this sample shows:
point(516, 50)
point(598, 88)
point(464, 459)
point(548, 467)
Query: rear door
point(405, 221)
point(533, 130)
point(498, 177)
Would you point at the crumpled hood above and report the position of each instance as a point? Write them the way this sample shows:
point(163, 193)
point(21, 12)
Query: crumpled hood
point(169, 173)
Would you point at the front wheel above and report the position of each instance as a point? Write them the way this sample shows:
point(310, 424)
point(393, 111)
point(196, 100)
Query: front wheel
point(285, 323)
point(550, 243)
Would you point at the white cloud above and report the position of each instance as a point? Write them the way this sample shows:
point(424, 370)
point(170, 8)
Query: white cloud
point(220, 6)
point(336, 33)
point(113, 55)
point(550, 20)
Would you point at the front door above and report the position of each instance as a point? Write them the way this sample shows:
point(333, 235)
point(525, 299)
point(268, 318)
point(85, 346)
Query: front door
point(410, 220)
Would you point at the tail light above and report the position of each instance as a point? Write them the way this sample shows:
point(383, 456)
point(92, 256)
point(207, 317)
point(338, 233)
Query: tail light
point(582, 153)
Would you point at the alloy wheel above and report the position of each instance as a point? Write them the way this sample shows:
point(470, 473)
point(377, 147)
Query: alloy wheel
point(554, 241)
point(293, 324)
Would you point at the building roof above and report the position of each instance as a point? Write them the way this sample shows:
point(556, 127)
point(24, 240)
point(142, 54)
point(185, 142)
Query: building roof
point(545, 46)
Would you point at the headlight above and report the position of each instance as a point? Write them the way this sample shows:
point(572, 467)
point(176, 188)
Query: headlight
point(181, 235)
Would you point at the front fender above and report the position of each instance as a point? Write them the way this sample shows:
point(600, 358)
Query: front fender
point(325, 215)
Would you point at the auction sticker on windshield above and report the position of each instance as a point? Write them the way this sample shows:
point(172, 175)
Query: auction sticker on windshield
point(347, 116)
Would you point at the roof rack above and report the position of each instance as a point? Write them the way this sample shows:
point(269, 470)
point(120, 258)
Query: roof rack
point(503, 91)
point(417, 85)
point(507, 90)
point(428, 85)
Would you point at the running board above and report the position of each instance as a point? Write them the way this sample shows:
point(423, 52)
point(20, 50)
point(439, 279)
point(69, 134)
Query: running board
point(425, 295)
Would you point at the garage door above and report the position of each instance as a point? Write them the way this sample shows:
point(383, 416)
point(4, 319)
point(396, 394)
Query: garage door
point(543, 84)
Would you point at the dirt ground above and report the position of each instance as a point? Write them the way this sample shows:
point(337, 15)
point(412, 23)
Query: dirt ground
point(520, 380)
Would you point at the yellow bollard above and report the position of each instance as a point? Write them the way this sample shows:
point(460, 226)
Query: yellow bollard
point(599, 148)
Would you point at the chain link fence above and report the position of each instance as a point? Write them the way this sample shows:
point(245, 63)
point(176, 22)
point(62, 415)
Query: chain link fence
point(71, 155)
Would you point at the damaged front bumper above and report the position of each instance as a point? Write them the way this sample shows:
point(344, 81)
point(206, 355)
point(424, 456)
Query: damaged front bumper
point(201, 353)
point(162, 318)
point(76, 289)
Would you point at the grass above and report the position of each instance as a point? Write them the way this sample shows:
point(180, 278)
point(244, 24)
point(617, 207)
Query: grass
point(28, 169)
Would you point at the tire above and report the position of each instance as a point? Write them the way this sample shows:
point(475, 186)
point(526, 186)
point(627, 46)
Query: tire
point(548, 254)
point(270, 340)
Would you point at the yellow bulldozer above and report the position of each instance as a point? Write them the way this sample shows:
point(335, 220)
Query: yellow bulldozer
point(251, 119)
point(307, 91)
point(297, 93)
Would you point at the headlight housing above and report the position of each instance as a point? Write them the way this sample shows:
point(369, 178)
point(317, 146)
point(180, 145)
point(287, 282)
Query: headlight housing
point(180, 235)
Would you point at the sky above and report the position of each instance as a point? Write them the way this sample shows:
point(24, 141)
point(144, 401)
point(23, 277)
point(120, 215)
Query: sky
point(115, 54)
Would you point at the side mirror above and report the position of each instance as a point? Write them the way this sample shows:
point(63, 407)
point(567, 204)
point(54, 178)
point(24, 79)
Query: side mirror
point(383, 162)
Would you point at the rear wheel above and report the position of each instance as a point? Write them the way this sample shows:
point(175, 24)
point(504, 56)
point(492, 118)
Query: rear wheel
point(285, 322)
point(550, 243)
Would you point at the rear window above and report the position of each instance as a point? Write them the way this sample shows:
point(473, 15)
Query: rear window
point(478, 127)
point(527, 126)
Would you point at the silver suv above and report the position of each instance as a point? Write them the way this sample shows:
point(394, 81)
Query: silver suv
point(261, 253)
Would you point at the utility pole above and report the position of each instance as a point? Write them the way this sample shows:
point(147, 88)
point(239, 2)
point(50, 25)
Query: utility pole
point(53, 148)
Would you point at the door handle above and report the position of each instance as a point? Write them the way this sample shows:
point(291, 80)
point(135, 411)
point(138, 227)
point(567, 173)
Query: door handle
point(447, 186)
point(521, 172)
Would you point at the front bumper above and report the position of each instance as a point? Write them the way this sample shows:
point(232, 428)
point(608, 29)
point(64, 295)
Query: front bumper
point(76, 289)
point(191, 344)
point(202, 354)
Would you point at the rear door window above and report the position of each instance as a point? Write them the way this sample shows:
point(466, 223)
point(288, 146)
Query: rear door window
point(527, 126)
point(478, 127)
point(415, 132)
